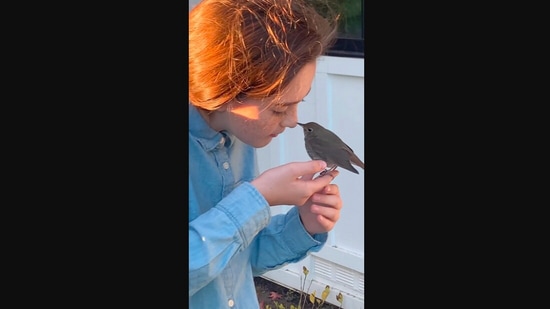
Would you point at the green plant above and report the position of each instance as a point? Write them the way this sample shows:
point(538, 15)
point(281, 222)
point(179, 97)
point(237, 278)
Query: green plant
point(350, 20)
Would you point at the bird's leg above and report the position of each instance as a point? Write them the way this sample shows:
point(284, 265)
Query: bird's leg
point(332, 168)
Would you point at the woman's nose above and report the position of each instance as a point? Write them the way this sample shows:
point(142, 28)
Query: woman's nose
point(291, 118)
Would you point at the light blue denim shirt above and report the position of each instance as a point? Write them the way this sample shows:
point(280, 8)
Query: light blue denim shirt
point(232, 236)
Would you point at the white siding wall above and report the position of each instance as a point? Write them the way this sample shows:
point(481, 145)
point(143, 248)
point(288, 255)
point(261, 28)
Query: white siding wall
point(336, 102)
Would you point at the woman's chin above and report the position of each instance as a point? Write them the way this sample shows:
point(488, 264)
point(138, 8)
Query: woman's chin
point(261, 143)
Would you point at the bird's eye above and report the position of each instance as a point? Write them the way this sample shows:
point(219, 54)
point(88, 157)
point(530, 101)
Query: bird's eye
point(309, 129)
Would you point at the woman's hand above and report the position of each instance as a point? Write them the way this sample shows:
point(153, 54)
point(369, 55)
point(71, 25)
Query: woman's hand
point(292, 183)
point(321, 211)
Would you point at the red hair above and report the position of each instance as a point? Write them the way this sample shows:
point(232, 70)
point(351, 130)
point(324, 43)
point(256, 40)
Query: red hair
point(251, 48)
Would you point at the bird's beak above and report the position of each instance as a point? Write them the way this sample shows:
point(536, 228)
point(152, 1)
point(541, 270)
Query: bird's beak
point(301, 124)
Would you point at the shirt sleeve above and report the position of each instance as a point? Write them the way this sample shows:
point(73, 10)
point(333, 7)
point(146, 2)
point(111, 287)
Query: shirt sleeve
point(223, 231)
point(285, 240)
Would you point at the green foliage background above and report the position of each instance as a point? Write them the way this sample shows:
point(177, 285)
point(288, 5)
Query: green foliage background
point(350, 24)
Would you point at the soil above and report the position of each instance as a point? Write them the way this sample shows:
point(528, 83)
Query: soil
point(282, 295)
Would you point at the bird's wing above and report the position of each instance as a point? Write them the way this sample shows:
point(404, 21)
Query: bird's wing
point(351, 150)
point(353, 158)
point(317, 147)
point(342, 159)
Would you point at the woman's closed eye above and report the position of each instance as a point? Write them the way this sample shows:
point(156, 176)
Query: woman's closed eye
point(282, 109)
point(281, 112)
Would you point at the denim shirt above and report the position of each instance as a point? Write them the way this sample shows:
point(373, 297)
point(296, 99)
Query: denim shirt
point(232, 236)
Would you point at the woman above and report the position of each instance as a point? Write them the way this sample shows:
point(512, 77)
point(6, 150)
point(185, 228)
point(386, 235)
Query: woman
point(251, 63)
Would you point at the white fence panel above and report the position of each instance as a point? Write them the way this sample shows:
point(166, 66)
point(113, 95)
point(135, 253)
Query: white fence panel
point(336, 101)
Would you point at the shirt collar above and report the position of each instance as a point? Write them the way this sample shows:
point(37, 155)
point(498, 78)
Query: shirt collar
point(207, 137)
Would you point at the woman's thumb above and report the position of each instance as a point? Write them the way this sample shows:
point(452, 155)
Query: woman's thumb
point(309, 168)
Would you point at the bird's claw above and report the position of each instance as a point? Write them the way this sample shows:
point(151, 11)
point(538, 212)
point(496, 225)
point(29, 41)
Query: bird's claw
point(323, 173)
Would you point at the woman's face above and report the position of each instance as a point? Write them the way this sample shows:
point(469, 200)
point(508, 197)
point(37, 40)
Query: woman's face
point(257, 121)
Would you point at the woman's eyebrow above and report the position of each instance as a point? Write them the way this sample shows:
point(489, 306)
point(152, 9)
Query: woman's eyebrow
point(291, 103)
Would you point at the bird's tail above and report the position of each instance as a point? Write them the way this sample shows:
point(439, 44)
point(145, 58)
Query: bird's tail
point(355, 160)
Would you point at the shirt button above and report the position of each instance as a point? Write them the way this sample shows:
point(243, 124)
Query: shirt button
point(231, 303)
point(225, 165)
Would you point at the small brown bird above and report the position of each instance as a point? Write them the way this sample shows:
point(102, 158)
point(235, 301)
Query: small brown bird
point(322, 144)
